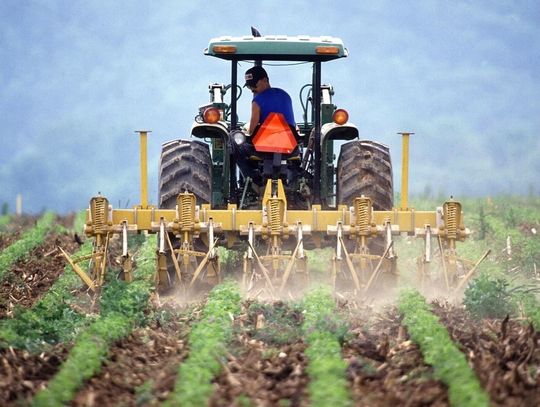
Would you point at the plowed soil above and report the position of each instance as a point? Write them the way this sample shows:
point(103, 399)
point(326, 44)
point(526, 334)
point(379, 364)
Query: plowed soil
point(22, 373)
point(505, 355)
point(266, 363)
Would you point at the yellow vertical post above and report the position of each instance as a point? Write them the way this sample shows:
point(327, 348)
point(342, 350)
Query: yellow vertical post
point(144, 168)
point(405, 170)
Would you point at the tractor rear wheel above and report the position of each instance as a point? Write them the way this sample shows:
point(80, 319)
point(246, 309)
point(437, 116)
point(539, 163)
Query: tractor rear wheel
point(364, 168)
point(185, 165)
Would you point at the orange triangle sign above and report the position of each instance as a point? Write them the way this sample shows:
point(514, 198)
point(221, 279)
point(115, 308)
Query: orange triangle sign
point(274, 136)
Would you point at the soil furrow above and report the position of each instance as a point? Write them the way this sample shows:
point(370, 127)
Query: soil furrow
point(23, 373)
point(385, 368)
point(266, 363)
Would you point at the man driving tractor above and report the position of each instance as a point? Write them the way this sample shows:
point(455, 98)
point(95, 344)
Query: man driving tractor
point(266, 100)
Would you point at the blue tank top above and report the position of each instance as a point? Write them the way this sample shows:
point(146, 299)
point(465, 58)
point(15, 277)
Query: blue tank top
point(275, 100)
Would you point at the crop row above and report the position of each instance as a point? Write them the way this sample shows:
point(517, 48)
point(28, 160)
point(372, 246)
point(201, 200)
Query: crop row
point(439, 350)
point(51, 319)
point(56, 317)
point(207, 347)
point(325, 365)
point(122, 307)
point(210, 338)
point(508, 282)
point(29, 240)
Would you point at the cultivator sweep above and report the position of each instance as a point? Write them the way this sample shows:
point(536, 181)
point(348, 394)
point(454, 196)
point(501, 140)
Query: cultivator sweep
point(302, 200)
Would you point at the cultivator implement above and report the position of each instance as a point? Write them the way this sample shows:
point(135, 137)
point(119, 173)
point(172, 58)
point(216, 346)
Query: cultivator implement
point(275, 240)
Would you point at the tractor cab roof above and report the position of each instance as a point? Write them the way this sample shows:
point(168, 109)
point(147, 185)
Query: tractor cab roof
point(277, 48)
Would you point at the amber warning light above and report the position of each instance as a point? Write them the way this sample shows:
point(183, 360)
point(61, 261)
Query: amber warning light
point(327, 50)
point(224, 49)
point(211, 115)
point(340, 116)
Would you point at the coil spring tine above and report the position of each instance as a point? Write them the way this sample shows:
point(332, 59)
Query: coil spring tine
point(451, 212)
point(274, 216)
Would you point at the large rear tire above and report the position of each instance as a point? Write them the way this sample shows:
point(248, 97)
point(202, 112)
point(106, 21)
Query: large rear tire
point(185, 165)
point(365, 168)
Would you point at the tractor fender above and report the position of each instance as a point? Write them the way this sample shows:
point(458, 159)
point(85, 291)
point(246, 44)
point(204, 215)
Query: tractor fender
point(208, 130)
point(333, 131)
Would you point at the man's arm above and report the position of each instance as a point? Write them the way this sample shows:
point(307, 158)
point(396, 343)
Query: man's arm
point(255, 117)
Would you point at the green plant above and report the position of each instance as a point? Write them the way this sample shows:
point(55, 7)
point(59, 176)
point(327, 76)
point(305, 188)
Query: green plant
point(320, 314)
point(319, 259)
point(515, 219)
point(79, 221)
point(531, 309)
point(282, 322)
point(229, 259)
point(84, 359)
point(482, 229)
point(244, 401)
point(144, 394)
point(4, 221)
point(487, 297)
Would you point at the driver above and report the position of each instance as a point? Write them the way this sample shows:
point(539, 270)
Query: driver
point(266, 100)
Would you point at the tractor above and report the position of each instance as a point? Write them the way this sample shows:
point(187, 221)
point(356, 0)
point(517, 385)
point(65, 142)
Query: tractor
point(205, 166)
point(307, 199)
